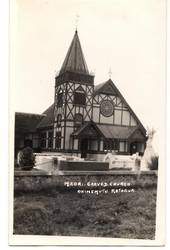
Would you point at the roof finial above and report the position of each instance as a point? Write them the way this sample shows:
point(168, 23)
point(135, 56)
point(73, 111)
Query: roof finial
point(76, 21)
point(110, 73)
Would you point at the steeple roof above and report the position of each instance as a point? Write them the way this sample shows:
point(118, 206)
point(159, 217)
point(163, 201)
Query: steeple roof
point(75, 61)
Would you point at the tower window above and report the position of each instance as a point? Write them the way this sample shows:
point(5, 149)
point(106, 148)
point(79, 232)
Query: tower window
point(78, 120)
point(79, 98)
point(60, 99)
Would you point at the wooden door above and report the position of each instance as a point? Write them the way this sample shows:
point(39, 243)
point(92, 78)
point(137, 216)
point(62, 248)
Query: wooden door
point(84, 148)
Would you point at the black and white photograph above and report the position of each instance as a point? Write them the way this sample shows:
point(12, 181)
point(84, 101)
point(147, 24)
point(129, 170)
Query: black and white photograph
point(87, 130)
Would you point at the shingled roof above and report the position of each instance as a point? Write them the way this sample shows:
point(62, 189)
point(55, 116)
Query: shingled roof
point(105, 88)
point(48, 118)
point(88, 129)
point(117, 132)
point(26, 122)
point(75, 60)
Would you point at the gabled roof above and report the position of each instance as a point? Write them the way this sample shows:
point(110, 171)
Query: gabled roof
point(88, 129)
point(105, 88)
point(117, 132)
point(75, 60)
point(48, 118)
point(26, 122)
point(109, 87)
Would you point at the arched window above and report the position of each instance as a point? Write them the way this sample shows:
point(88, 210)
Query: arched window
point(79, 98)
point(60, 98)
point(78, 120)
point(59, 117)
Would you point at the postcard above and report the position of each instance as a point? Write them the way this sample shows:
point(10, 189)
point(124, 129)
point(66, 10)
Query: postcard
point(87, 122)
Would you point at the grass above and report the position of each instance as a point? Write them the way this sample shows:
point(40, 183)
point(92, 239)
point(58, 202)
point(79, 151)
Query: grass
point(121, 215)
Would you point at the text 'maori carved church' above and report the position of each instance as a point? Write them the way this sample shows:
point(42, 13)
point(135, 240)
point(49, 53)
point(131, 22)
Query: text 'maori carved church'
point(85, 120)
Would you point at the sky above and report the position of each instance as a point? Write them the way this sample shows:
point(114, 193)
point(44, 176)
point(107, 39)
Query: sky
point(126, 36)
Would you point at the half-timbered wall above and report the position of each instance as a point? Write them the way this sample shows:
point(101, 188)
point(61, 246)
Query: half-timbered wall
point(121, 115)
point(59, 110)
point(69, 109)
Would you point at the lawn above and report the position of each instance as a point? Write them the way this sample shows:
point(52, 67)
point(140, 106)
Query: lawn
point(67, 213)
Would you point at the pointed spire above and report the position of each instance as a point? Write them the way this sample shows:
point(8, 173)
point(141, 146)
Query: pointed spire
point(75, 61)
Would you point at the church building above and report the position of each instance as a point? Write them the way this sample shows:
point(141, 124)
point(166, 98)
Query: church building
point(86, 119)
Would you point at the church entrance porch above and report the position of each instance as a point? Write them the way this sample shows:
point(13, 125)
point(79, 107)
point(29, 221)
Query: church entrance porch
point(89, 139)
point(88, 146)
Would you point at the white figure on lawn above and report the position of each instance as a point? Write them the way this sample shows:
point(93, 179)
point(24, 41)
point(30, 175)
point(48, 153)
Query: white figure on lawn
point(110, 157)
point(136, 161)
point(117, 162)
point(149, 152)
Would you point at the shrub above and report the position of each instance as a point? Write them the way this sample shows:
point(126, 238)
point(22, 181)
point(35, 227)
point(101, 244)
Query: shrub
point(153, 165)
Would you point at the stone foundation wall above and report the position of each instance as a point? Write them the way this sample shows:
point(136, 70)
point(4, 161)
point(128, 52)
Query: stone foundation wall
point(28, 181)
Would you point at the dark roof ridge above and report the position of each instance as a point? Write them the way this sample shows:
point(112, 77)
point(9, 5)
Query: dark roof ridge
point(48, 118)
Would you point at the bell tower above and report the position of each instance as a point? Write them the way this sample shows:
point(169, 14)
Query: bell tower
point(74, 87)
